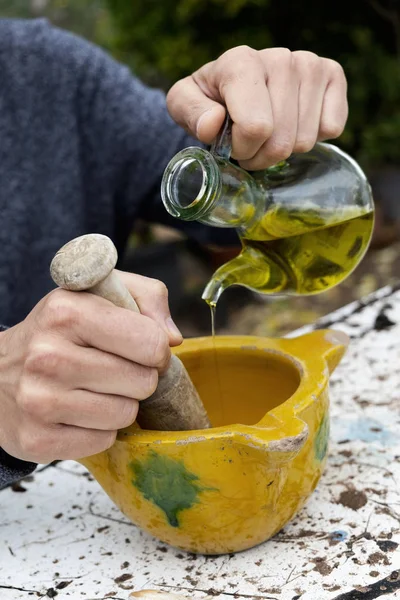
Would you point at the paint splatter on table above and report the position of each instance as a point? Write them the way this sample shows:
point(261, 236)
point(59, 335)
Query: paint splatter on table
point(63, 538)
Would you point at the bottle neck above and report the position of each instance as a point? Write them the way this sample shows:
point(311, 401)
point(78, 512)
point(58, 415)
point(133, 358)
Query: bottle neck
point(198, 186)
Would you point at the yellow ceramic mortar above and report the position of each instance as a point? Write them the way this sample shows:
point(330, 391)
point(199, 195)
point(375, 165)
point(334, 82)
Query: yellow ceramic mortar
point(229, 488)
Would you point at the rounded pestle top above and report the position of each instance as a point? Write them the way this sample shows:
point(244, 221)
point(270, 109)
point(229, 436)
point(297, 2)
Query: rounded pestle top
point(84, 262)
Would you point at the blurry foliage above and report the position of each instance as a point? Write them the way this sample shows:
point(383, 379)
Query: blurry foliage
point(88, 18)
point(166, 40)
point(163, 40)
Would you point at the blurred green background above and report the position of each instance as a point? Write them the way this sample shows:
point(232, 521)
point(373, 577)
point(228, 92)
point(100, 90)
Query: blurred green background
point(163, 40)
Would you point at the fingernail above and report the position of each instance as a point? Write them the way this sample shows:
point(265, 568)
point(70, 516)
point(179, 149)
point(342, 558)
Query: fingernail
point(206, 112)
point(172, 328)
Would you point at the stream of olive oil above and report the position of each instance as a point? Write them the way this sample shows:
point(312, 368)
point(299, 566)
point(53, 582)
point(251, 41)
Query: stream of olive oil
point(213, 309)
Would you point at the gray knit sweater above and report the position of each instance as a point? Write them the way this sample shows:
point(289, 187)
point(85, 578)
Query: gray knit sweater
point(83, 145)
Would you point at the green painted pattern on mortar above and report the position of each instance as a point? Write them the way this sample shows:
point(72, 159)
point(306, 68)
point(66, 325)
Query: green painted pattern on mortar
point(322, 438)
point(167, 483)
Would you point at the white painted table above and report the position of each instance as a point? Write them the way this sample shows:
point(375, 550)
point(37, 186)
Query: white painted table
point(62, 537)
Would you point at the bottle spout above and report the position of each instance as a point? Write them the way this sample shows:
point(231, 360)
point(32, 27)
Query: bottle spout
point(237, 271)
point(215, 287)
point(213, 291)
point(251, 269)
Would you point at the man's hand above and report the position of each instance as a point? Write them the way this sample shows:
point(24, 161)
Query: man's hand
point(280, 102)
point(72, 373)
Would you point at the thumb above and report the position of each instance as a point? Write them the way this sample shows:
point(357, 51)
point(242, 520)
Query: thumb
point(189, 106)
point(151, 297)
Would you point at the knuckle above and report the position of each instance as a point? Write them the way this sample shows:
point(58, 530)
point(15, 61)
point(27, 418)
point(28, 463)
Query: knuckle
point(304, 144)
point(183, 106)
point(27, 400)
point(43, 358)
point(159, 288)
point(331, 130)
point(279, 57)
point(233, 65)
point(107, 440)
point(259, 129)
point(144, 381)
point(61, 310)
point(88, 445)
point(127, 414)
point(242, 52)
point(307, 60)
point(334, 68)
point(150, 382)
point(34, 404)
point(284, 55)
point(160, 348)
point(229, 76)
point(280, 150)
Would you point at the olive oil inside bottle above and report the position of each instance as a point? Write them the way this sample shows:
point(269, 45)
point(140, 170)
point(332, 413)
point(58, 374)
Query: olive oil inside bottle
point(313, 261)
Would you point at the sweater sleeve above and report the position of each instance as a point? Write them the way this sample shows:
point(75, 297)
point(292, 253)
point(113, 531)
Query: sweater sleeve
point(127, 138)
point(12, 469)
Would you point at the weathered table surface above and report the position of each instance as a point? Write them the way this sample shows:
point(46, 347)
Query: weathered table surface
point(62, 537)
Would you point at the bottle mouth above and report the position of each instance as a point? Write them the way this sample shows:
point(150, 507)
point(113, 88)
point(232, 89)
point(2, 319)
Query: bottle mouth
point(191, 184)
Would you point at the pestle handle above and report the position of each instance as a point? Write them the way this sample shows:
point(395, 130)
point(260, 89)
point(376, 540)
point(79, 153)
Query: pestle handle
point(87, 264)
